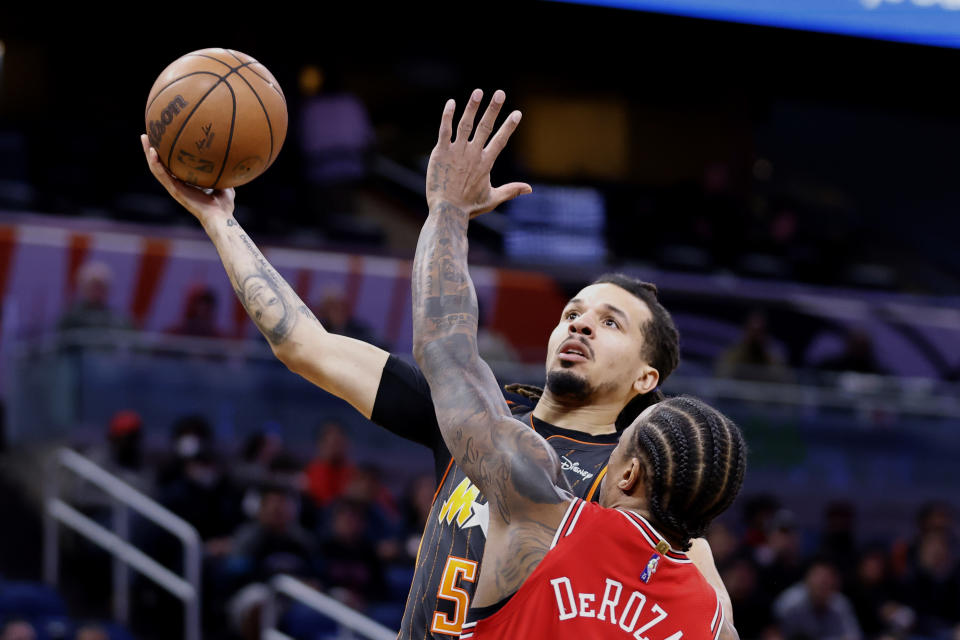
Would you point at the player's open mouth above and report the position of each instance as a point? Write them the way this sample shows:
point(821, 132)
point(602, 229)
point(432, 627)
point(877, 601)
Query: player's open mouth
point(574, 351)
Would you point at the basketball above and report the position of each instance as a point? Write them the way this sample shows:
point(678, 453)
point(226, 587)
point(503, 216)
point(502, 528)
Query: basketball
point(217, 118)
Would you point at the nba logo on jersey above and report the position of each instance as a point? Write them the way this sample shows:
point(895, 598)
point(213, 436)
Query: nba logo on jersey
point(650, 569)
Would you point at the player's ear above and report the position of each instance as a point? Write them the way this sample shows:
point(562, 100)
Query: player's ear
point(632, 475)
point(647, 381)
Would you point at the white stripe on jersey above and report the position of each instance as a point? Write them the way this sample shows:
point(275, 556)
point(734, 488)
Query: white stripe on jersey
point(563, 522)
point(575, 518)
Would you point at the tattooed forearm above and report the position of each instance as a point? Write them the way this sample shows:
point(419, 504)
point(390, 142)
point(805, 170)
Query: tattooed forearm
point(270, 302)
point(504, 458)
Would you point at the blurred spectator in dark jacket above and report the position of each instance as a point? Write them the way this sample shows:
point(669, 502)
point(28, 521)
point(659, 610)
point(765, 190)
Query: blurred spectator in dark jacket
point(203, 496)
point(333, 312)
point(933, 586)
point(275, 543)
point(190, 435)
point(857, 356)
point(91, 306)
point(780, 559)
point(272, 544)
point(331, 470)
point(122, 455)
point(814, 609)
point(199, 317)
point(838, 539)
point(416, 504)
point(755, 356)
point(875, 597)
point(352, 570)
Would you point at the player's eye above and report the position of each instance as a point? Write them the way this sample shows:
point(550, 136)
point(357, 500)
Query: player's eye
point(571, 315)
point(610, 322)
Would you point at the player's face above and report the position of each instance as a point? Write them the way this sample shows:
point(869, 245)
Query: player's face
point(596, 347)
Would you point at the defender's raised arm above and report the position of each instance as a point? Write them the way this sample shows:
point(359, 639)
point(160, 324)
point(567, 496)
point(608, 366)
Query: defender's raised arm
point(508, 461)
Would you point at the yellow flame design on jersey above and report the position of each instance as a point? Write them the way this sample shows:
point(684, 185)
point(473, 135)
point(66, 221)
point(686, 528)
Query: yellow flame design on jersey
point(460, 503)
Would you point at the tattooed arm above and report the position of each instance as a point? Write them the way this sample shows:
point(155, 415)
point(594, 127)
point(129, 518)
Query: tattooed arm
point(510, 463)
point(349, 369)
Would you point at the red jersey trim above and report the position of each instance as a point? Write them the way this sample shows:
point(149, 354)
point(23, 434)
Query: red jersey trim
point(653, 537)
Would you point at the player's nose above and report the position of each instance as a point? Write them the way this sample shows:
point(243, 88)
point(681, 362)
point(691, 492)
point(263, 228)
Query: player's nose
point(583, 325)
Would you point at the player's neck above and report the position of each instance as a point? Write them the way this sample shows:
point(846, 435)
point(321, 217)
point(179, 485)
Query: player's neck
point(595, 418)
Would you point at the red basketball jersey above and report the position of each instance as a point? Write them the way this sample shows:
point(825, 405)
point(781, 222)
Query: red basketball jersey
point(604, 578)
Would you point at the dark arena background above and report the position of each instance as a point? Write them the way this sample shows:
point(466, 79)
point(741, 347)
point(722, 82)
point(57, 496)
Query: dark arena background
point(793, 193)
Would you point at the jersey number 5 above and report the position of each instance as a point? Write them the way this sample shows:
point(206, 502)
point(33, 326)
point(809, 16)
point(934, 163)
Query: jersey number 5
point(455, 570)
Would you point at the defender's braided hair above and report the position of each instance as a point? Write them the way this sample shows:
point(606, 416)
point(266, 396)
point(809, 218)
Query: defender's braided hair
point(695, 458)
point(661, 347)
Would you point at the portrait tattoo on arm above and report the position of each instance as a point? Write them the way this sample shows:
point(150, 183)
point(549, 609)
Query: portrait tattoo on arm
point(269, 301)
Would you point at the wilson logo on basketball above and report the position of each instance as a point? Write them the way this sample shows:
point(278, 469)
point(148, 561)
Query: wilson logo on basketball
point(158, 127)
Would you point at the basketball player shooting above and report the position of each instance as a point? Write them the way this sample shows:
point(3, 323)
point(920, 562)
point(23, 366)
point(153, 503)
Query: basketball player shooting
point(553, 563)
point(581, 416)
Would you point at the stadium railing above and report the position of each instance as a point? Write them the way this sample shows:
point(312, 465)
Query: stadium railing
point(123, 498)
point(320, 602)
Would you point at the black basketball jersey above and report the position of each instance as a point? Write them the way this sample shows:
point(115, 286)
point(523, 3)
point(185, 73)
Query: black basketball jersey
point(452, 545)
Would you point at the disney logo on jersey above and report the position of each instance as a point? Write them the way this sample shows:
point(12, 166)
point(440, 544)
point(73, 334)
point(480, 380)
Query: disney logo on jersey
point(462, 507)
point(569, 465)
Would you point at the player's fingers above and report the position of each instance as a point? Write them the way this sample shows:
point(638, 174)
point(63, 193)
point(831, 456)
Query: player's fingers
point(156, 167)
point(485, 128)
point(446, 122)
point(469, 114)
point(510, 191)
point(499, 141)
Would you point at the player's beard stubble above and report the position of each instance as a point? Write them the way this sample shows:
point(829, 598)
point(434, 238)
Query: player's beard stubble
point(569, 388)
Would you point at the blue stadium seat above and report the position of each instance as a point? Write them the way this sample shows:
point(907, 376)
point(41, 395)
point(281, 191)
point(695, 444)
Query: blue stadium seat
point(53, 627)
point(303, 623)
point(30, 600)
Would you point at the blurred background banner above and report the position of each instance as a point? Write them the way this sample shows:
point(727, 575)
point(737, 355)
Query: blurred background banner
point(931, 22)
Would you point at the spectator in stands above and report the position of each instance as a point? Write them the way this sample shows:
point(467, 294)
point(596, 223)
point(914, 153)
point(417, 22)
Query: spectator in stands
point(203, 496)
point(779, 559)
point(416, 504)
point(91, 308)
point(122, 454)
point(333, 312)
point(18, 629)
point(857, 356)
point(838, 539)
point(750, 604)
point(273, 544)
point(754, 357)
point(758, 512)
point(190, 435)
point(815, 608)
point(379, 511)
point(331, 470)
point(875, 597)
point(257, 453)
point(199, 314)
point(351, 569)
point(91, 632)
point(933, 586)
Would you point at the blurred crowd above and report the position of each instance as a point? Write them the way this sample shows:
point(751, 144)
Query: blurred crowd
point(788, 583)
point(265, 510)
point(335, 524)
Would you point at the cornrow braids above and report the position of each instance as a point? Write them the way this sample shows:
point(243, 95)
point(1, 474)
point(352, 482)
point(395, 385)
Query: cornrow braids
point(696, 459)
point(637, 405)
